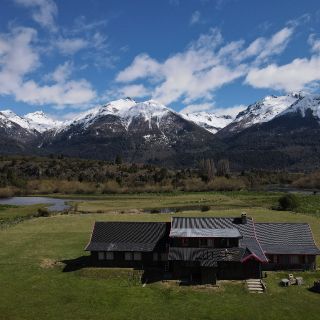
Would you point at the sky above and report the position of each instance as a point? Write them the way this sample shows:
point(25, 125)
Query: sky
point(64, 57)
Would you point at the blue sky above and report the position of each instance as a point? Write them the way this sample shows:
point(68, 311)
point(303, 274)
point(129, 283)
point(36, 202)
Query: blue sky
point(63, 57)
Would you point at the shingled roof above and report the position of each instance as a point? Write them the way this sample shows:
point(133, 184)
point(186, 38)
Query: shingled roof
point(206, 254)
point(126, 236)
point(245, 231)
point(286, 238)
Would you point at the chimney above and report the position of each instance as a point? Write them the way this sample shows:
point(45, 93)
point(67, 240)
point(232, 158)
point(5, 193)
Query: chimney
point(243, 218)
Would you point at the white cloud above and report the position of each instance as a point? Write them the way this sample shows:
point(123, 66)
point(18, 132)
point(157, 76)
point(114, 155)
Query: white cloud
point(264, 48)
point(195, 17)
point(70, 46)
point(295, 75)
point(142, 66)
point(19, 58)
point(230, 111)
point(43, 12)
point(204, 66)
point(134, 91)
point(314, 43)
point(191, 108)
point(61, 73)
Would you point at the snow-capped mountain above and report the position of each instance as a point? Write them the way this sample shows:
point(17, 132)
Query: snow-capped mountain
point(274, 132)
point(125, 109)
point(139, 131)
point(307, 104)
point(37, 122)
point(208, 120)
point(262, 111)
point(41, 122)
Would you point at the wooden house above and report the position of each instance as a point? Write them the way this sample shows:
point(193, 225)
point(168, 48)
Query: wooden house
point(204, 249)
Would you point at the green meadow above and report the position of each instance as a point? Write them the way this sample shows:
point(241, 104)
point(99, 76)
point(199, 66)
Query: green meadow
point(35, 252)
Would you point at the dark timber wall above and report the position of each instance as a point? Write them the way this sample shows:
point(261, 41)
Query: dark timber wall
point(120, 262)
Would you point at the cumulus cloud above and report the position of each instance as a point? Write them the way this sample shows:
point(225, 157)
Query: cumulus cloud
point(295, 75)
point(203, 67)
point(19, 58)
point(43, 12)
point(142, 67)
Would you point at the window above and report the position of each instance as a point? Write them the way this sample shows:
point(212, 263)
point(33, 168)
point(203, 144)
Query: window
point(137, 256)
point(155, 256)
point(100, 255)
point(128, 256)
point(109, 255)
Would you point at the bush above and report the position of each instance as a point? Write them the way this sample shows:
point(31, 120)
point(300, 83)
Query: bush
point(205, 208)
point(6, 192)
point(43, 212)
point(289, 202)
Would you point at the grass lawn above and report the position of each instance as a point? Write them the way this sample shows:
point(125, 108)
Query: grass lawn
point(10, 213)
point(33, 285)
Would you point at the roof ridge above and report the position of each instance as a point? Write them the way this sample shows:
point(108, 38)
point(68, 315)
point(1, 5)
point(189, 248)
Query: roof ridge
point(255, 235)
point(314, 242)
point(213, 217)
point(282, 223)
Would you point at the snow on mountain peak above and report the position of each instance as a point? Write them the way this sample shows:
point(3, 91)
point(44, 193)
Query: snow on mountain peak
point(208, 120)
point(10, 117)
point(36, 121)
point(264, 110)
point(127, 109)
point(40, 122)
point(309, 102)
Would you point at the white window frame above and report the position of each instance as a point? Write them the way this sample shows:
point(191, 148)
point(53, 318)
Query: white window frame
point(109, 255)
point(137, 256)
point(101, 255)
point(128, 256)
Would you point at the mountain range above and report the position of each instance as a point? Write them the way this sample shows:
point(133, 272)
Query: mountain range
point(274, 133)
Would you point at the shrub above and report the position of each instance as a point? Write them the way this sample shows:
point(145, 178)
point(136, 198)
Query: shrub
point(6, 192)
point(205, 208)
point(224, 184)
point(43, 212)
point(289, 202)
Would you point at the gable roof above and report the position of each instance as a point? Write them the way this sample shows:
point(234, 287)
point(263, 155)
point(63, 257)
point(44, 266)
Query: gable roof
point(126, 236)
point(286, 238)
point(248, 239)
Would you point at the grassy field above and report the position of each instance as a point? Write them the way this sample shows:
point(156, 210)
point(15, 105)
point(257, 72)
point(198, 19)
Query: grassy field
point(11, 214)
point(34, 253)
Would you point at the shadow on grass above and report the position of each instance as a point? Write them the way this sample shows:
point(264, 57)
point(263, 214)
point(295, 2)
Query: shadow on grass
point(77, 263)
point(149, 275)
